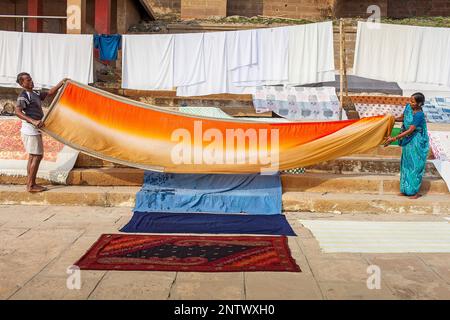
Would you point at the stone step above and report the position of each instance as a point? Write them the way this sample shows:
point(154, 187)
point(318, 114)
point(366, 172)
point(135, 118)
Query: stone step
point(366, 165)
point(292, 201)
point(364, 203)
point(86, 161)
point(356, 183)
point(308, 182)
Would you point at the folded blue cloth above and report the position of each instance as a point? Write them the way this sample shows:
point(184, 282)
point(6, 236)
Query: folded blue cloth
point(108, 45)
point(210, 193)
point(157, 222)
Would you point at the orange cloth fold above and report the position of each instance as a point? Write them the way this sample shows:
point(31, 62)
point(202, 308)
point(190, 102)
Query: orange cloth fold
point(135, 134)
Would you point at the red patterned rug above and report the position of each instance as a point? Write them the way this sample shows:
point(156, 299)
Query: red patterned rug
point(58, 159)
point(189, 253)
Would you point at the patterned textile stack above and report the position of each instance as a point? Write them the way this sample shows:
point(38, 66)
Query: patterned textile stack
point(56, 165)
point(298, 103)
point(437, 109)
point(440, 145)
point(369, 106)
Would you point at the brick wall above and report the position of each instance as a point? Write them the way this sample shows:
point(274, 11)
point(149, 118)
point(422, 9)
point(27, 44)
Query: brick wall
point(298, 8)
point(245, 8)
point(358, 8)
point(203, 8)
point(410, 8)
point(165, 6)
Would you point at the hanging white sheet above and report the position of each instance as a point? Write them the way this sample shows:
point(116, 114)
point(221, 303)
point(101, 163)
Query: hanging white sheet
point(401, 53)
point(147, 62)
point(311, 53)
point(10, 53)
point(215, 61)
point(188, 62)
point(272, 60)
point(50, 57)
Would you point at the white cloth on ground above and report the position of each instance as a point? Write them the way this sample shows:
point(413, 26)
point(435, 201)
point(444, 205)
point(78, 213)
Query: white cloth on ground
point(440, 146)
point(188, 61)
point(10, 54)
point(147, 62)
point(50, 57)
point(380, 236)
point(401, 53)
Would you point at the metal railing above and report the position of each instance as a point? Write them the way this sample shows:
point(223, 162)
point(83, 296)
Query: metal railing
point(32, 17)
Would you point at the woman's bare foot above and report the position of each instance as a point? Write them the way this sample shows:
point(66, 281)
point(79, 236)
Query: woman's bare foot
point(416, 196)
point(401, 194)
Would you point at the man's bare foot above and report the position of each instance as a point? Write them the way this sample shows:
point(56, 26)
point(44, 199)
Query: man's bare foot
point(36, 188)
point(416, 196)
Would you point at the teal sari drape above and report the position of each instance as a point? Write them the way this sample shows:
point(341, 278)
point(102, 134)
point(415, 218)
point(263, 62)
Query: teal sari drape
point(415, 148)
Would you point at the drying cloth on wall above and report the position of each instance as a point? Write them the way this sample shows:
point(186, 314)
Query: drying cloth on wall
point(380, 237)
point(298, 103)
point(440, 145)
point(155, 222)
point(188, 61)
point(10, 54)
point(147, 62)
point(48, 57)
point(359, 85)
point(311, 53)
point(371, 109)
point(429, 90)
point(108, 45)
point(92, 121)
point(210, 193)
point(437, 109)
point(212, 112)
point(402, 53)
point(58, 159)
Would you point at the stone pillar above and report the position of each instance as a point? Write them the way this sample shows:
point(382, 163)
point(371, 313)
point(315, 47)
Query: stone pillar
point(198, 9)
point(34, 9)
point(76, 16)
point(103, 16)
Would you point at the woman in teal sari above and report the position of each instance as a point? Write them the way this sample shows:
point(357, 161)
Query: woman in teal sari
point(415, 146)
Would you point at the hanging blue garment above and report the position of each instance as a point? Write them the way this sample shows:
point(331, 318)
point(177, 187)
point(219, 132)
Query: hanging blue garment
point(415, 148)
point(157, 222)
point(108, 45)
point(210, 193)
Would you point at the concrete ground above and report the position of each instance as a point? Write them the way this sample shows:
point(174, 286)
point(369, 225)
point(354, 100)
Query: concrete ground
point(39, 243)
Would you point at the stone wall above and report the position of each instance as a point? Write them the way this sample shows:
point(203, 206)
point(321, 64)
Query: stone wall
point(166, 6)
point(410, 8)
point(245, 8)
point(199, 9)
point(358, 8)
point(298, 8)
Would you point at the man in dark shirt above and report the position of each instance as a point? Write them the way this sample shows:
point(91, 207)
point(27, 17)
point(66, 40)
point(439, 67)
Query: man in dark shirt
point(29, 109)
